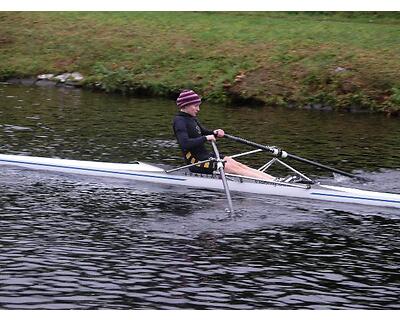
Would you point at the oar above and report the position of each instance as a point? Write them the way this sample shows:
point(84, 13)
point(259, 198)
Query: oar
point(220, 168)
point(284, 154)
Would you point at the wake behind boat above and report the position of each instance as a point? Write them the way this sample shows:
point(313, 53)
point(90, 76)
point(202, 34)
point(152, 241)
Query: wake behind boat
point(140, 171)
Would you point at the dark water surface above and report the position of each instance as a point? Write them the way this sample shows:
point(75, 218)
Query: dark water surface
point(76, 242)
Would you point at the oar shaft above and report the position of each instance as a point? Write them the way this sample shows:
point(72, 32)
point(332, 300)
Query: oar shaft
point(248, 142)
point(220, 168)
point(322, 166)
point(272, 150)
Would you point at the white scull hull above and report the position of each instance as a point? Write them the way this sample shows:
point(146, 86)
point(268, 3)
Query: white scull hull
point(140, 171)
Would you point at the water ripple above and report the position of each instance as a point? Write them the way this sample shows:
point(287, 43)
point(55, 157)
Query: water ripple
point(74, 242)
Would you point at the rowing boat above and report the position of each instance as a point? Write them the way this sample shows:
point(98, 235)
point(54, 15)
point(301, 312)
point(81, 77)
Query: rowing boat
point(141, 171)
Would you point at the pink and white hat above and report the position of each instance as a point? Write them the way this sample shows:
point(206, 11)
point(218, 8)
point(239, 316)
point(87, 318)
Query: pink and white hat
point(187, 97)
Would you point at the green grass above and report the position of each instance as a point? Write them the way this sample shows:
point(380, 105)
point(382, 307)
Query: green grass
point(283, 57)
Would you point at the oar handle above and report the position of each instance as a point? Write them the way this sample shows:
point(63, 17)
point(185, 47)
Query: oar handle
point(285, 154)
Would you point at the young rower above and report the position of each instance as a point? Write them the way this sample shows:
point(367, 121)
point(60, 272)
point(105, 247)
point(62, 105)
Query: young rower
point(192, 137)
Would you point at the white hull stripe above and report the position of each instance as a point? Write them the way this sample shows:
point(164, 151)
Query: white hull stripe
point(353, 197)
point(95, 170)
point(164, 178)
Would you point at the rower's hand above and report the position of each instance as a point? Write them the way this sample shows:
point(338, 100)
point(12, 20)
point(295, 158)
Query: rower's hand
point(219, 133)
point(210, 137)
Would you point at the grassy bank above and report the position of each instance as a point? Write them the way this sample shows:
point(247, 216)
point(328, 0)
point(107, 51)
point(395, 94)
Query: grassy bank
point(337, 60)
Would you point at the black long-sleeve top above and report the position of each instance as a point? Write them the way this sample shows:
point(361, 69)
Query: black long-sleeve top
point(191, 135)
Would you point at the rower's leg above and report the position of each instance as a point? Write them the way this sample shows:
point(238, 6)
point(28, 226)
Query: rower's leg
point(235, 167)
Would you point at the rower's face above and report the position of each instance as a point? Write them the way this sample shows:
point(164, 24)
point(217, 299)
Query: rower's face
point(193, 109)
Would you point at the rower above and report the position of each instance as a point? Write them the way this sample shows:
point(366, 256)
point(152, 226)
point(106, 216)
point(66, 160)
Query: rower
point(192, 136)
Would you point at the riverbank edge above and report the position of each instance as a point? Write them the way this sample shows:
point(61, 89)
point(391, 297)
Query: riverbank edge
point(229, 97)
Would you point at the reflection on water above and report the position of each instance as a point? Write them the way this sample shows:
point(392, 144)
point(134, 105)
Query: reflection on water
point(75, 242)
point(83, 125)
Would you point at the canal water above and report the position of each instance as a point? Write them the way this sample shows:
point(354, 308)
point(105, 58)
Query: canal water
point(77, 242)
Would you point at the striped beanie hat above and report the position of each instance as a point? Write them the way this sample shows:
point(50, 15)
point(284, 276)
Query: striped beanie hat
point(187, 97)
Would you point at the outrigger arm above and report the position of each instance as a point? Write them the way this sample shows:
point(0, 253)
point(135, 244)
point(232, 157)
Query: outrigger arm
point(190, 165)
point(280, 153)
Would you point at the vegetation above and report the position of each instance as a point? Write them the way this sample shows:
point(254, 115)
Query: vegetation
point(335, 60)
